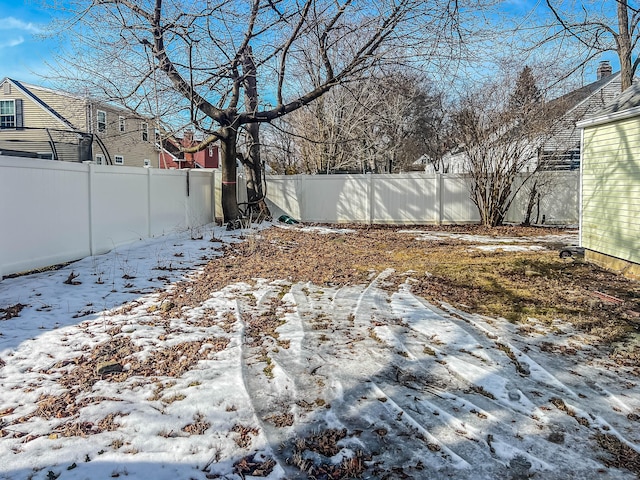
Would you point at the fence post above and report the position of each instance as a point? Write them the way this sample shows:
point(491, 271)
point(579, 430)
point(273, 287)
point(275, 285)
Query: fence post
point(149, 199)
point(303, 203)
point(90, 180)
point(371, 198)
point(439, 196)
point(213, 195)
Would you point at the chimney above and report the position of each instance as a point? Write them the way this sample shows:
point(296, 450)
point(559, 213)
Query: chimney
point(604, 69)
point(187, 138)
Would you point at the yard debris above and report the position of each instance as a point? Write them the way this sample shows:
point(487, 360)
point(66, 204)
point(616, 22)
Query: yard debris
point(110, 366)
point(607, 298)
point(254, 466)
point(572, 251)
point(287, 219)
point(71, 279)
point(12, 311)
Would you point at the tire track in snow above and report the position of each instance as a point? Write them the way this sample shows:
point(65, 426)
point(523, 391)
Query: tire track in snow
point(413, 425)
point(263, 399)
point(541, 376)
point(511, 399)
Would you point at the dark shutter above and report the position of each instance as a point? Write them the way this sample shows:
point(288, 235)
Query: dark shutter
point(19, 115)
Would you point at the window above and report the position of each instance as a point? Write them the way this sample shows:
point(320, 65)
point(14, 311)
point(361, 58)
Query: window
point(102, 121)
point(99, 160)
point(118, 160)
point(7, 114)
point(144, 127)
point(147, 162)
point(121, 125)
point(7, 88)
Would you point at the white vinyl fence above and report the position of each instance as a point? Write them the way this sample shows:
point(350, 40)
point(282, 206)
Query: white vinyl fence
point(412, 198)
point(54, 212)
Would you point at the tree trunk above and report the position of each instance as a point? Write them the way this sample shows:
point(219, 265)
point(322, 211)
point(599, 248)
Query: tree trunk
point(533, 194)
point(230, 211)
point(257, 208)
point(252, 162)
point(624, 45)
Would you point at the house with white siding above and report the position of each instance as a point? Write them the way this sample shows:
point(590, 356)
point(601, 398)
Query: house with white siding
point(44, 123)
point(610, 185)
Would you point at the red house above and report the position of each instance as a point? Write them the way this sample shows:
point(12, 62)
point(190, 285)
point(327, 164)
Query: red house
point(172, 156)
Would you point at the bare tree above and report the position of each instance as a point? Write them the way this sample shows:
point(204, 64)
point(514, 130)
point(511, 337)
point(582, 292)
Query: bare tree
point(499, 141)
point(383, 123)
point(202, 55)
point(600, 27)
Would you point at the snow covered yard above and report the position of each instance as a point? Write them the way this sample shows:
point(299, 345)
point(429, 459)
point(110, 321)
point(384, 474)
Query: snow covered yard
point(194, 356)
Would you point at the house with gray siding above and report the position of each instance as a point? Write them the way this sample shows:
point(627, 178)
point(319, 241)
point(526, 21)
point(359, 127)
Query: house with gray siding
point(610, 184)
point(44, 123)
point(560, 147)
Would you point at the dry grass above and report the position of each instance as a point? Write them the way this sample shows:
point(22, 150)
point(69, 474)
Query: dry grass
point(513, 285)
point(250, 465)
point(198, 427)
point(244, 434)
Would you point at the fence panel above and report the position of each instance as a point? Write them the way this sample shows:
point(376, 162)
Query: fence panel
point(285, 192)
point(336, 198)
point(44, 213)
point(167, 200)
point(404, 199)
point(414, 198)
point(456, 204)
point(201, 201)
point(54, 212)
point(119, 206)
point(556, 204)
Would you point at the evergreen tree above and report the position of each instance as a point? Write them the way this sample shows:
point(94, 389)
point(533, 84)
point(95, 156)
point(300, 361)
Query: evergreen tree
point(526, 96)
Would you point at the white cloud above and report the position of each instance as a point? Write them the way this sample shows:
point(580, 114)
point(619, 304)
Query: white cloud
point(13, 42)
point(12, 23)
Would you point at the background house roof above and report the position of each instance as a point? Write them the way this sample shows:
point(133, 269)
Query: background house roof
point(574, 97)
point(624, 106)
point(23, 88)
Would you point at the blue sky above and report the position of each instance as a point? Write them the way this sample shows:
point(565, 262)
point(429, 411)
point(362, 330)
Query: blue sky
point(22, 51)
